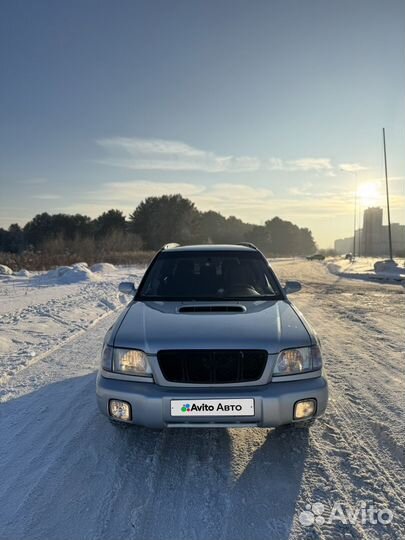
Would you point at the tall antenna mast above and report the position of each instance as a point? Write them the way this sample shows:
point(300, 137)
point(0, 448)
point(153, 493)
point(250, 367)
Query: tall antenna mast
point(359, 226)
point(388, 196)
point(354, 224)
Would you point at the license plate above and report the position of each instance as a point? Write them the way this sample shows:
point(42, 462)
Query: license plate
point(212, 407)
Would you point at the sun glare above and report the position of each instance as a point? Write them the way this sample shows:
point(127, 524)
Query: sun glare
point(368, 194)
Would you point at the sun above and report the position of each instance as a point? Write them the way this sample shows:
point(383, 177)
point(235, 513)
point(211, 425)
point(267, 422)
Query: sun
point(368, 193)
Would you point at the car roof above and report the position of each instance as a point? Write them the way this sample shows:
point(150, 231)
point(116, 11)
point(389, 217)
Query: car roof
point(211, 247)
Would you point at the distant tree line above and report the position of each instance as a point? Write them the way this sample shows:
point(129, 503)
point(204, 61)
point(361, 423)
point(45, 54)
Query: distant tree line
point(156, 221)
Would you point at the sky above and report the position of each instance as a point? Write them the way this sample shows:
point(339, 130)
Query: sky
point(251, 108)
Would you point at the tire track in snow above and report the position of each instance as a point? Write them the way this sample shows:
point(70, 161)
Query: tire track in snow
point(361, 391)
point(39, 329)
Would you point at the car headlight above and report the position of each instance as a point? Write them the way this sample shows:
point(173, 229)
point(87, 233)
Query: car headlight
point(295, 361)
point(131, 362)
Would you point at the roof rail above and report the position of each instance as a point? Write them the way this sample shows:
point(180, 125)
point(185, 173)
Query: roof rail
point(170, 245)
point(248, 244)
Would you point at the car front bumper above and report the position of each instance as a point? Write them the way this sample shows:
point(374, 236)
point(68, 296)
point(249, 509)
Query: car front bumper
point(151, 403)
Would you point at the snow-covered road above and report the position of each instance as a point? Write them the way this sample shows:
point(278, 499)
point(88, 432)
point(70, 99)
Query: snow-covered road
point(66, 473)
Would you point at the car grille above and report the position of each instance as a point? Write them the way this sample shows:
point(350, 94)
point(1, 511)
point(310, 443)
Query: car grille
point(212, 367)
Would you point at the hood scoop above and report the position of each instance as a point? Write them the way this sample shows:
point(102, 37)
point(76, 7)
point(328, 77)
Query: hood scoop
point(212, 309)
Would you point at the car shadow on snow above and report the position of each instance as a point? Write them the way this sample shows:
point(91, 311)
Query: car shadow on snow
point(67, 473)
point(265, 497)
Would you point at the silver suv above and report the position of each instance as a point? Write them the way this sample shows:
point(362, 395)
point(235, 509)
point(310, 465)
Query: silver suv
point(211, 339)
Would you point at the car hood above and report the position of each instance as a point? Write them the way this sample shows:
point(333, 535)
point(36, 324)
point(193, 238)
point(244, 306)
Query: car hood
point(266, 325)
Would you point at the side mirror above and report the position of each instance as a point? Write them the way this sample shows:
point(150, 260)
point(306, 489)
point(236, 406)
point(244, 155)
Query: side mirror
point(126, 287)
point(292, 287)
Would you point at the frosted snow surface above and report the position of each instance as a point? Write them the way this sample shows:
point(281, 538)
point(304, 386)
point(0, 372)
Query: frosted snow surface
point(366, 268)
point(45, 309)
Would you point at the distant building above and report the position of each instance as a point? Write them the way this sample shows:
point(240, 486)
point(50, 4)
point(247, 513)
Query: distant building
point(372, 239)
point(398, 238)
point(344, 245)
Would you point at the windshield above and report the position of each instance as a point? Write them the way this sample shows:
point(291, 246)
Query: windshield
point(227, 275)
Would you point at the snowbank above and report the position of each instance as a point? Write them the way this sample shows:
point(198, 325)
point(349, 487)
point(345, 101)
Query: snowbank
point(5, 270)
point(367, 268)
point(71, 274)
point(78, 272)
point(388, 266)
point(22, 273)
point(103, 267)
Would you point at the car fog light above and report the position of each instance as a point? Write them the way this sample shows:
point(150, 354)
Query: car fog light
point(120, 409)
point(304, 409)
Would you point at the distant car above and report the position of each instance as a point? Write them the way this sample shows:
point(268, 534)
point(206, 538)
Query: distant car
point(211, 339)
point(316, 257)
